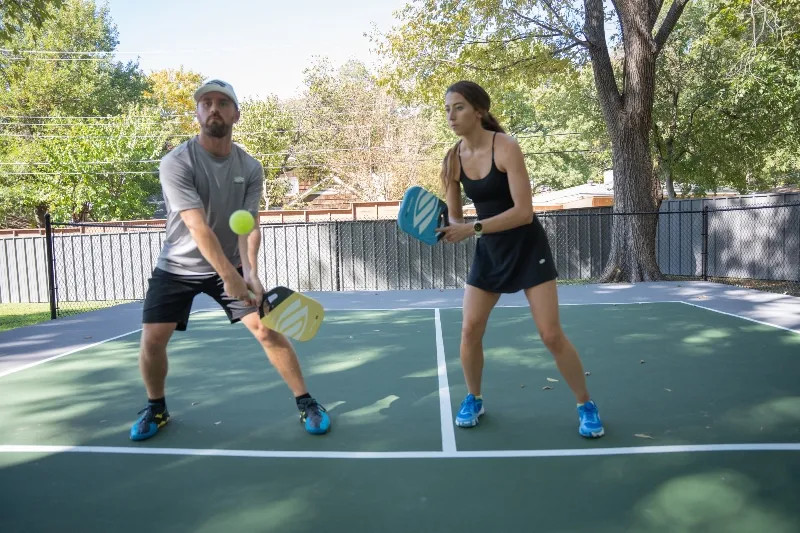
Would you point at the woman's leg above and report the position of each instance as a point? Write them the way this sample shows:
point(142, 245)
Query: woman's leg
point(478, 305)
point(543, 301)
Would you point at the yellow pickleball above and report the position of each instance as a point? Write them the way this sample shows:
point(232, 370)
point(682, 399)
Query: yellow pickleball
point(242, 222)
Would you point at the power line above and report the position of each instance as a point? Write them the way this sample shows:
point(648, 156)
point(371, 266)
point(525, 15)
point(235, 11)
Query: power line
point(289, 166)
point(287, 153)
point(149, 52)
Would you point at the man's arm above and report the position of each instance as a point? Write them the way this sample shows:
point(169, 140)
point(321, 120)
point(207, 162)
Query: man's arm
point(249, 244)
point(248, 250)
point(207, 241)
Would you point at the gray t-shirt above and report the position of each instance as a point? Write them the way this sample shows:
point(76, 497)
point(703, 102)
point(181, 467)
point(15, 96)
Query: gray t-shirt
point(192, 177)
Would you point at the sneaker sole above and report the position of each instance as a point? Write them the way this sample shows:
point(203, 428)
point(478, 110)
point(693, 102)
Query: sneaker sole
point(470, 423)
point(593, 434)
point(317, 431)
point(146, 436)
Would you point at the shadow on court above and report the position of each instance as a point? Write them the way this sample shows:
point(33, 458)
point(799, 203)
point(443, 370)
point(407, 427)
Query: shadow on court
point(680, 493)
point(374, 371)
point(662, 374)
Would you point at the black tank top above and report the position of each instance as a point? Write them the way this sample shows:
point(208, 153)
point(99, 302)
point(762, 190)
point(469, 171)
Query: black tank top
point(490, 194)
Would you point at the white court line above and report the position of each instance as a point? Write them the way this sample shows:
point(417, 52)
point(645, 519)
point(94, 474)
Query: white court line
point(512, 306)
point(448, 434)
point(743, 317)
point(42, 361)
point(70, 352)
point(487, 454)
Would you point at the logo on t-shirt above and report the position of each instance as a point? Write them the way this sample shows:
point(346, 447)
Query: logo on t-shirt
point(238, 179)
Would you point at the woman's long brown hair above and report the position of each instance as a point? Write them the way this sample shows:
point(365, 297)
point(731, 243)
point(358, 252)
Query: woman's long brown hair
point(479, 99)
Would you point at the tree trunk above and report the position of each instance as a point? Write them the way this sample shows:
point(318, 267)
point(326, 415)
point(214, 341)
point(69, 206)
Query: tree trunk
point(633, 237)
point(41, 211)
point(628, 116)
point(668, 183)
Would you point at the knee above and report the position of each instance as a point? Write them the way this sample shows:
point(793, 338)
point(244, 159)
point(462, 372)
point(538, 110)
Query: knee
point(269, 338)
point(472, 331)
point(553, 338)
point(154, 345)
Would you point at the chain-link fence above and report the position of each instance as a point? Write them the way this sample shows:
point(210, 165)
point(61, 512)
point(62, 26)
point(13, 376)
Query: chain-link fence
point(77, 267)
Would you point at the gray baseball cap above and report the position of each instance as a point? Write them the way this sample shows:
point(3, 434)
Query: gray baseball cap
point(218, 86)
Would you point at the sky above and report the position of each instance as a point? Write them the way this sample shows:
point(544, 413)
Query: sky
point(261, 47)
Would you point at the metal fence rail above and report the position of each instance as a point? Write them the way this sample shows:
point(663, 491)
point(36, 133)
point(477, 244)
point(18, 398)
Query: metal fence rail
point(754, 245)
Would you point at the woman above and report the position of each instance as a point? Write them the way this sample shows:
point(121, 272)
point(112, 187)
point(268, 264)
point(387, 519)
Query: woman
point(512, 251)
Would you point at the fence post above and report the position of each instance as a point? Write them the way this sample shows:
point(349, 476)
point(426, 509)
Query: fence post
point(337, 259)
point(705, 243)
point(51, 267)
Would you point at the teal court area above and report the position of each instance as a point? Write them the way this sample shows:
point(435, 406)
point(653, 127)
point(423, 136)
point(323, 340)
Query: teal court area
point(697, 387)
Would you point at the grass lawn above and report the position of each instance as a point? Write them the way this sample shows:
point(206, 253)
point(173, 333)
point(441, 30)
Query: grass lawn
point(18, 315)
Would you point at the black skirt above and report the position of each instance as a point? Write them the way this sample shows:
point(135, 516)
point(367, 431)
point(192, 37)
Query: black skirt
point(512, 260)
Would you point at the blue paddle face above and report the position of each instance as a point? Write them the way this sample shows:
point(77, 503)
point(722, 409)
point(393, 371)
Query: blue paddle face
point(421, 212)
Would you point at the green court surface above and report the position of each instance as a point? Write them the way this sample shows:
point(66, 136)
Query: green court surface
point(700, 408)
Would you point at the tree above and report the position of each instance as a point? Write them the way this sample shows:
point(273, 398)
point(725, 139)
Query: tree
point(728, 62)
point(357, 134)
point(520, 38)
point(267, 130)
point(171, 91)
point(95, 170)
point(15, 15)
point(44, 97)
point(76, 75)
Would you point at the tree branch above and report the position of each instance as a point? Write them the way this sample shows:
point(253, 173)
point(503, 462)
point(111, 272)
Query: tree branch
point(669, 23)
point(564, 32)
point(563, 22)
point(601, 60)
point(520, 37)
point(655, 9)
point(491, 69)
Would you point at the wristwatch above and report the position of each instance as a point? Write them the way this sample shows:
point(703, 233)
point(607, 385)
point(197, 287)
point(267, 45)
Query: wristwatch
point(478, 228)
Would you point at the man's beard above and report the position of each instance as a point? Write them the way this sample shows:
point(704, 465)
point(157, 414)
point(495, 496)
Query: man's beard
point(218, 129)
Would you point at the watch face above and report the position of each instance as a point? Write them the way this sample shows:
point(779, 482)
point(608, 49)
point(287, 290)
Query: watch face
point(478, 226)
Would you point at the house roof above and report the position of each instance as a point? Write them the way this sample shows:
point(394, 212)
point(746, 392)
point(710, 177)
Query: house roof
point(571, 194)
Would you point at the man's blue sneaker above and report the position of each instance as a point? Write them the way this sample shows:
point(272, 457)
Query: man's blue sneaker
point(471, 410)
point(590, 425)
point(314, 416)
point(151, 419)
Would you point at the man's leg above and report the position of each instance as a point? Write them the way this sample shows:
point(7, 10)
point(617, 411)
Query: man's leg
point(153, 357)
point(153, 366)
point(166, 308)
point(281, 354)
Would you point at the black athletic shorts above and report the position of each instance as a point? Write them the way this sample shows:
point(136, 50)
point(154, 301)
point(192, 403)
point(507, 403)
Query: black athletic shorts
point(169, 298)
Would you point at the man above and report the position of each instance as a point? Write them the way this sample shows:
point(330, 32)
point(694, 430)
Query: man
point(205, 180)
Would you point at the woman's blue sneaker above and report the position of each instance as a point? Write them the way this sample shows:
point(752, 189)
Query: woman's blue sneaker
point(590, 425)
point(471, 410)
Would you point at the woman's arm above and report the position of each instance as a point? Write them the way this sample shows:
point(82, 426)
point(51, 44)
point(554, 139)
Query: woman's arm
point(455, 210)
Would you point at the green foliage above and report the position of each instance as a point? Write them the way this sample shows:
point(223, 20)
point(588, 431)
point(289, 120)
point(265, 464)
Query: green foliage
point(540, 85)
point(46, 84)
point(441, 42)
point(171, 91)
point(15, 15)
point(360, 137)
point(268, 132)
point(93, 170)
point(726, 110)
